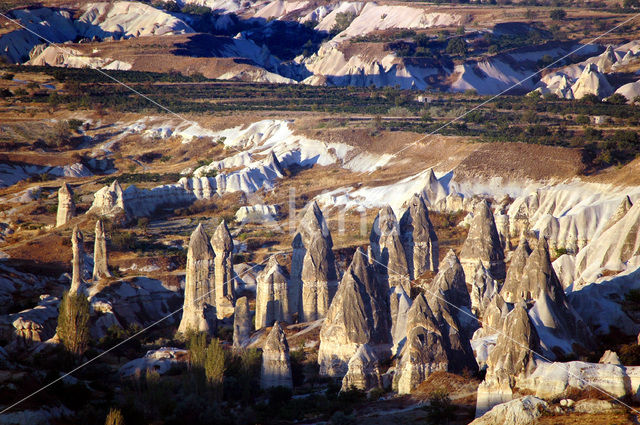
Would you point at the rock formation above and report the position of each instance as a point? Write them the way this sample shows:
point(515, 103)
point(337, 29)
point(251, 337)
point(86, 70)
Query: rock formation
point(109, 201)
point(77, 262)
point(559, 326)
point(451, 281)
point(399, 305)
point(276, 366)
point(419, 238)
point(512, 358)
point(363, 371)
point(521, 411)
point(272, 295)
point(241, 323)
point(66, 205)
point(624, 206)
point(222, 244)
point(483, 244)
point(483, 289)
point(100, 264)
point(198, 313)
point(610, 357)
point(359, 314)
point(611, 250)
point(313, 265)
point(424, 351)
point(456, 327)
point(388, 251)
point(502, 226)
point(511, 290)
point(493, 318)
point(591, 81)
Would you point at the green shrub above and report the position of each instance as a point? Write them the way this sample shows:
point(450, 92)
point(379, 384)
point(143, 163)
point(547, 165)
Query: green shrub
point(214, 367)
point(73, 323)
point(558, 14)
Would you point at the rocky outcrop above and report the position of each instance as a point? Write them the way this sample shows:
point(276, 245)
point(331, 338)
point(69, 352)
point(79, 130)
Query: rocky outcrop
point(424, 351)
point(591, 81)
point(241, 323)
point(272, 295)
point(483, 244)
point(483, 289)
point(512, 290)
point(276, 366)
point(66, 205)
point(388, 251)
point(222, 244)
point(77, 262)
point(611, 250)
point(359, 314)
point(363, 370)
point(313, 265)
point(559, 326)
point(137, 301)
point(100, 264)
point(419, 238)
point(109, 201)
point(521, 411)
point(511, 359)
point(198, 313)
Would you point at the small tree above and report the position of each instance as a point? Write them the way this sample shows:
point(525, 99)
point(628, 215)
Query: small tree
point(558, 14)
point(214, 367)
point(457, 46)
point(114, 417)
point(197, 346)
point(73, 323)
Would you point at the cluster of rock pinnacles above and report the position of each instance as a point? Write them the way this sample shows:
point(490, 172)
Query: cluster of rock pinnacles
point(368, 315)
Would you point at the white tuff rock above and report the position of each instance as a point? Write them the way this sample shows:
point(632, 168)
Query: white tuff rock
point(272, 295)
point(100, 263)
point(66, 205)
point(198, 313)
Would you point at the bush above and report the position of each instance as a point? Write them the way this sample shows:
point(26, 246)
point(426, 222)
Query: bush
point(457, 46)
point(582, 119)
point(617, 99)
point(123, 240)
point(343, 20)
point(439, 411)
point(73, 323)
point(214, 367)
point(558, 14)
